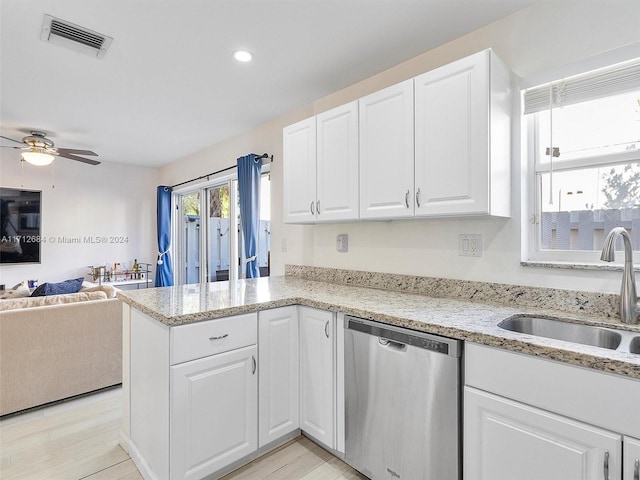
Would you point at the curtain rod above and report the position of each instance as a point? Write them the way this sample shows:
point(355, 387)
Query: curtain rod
point(259, 157)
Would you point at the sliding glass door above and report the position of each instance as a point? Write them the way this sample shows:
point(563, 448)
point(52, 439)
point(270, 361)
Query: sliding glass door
point(264, 234)
point(221, 238)
point(190, 238)
point(208, 237)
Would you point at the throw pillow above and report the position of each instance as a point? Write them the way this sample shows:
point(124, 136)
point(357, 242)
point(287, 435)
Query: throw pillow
point(68, 286)
point(18, 291)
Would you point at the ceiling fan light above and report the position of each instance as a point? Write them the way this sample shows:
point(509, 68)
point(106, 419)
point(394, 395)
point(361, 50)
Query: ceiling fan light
point(37, 158)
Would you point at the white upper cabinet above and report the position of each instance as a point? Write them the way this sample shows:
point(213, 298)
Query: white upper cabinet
point(432, 146)
point(337, 164)
point(386, 153)
point(462, 138)
point(299, 159)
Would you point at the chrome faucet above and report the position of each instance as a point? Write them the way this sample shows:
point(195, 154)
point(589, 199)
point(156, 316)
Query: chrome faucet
point(629, 310)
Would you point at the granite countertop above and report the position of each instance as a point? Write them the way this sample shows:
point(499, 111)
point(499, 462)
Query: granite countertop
point(460, 319)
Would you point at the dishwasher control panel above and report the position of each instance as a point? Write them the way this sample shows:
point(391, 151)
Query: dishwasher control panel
point(405, 336)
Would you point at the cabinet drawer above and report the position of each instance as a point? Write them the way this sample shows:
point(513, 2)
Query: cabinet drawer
point(197, 340)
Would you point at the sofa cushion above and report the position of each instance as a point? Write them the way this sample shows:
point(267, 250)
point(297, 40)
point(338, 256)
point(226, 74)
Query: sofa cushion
point(28, 302)
point(20, 290)
point(110, 290)
point(68, 286)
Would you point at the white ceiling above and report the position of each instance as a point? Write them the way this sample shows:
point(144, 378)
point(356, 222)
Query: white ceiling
point(169, 87)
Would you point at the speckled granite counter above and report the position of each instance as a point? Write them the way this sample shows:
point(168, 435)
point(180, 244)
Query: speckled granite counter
point(460, 319)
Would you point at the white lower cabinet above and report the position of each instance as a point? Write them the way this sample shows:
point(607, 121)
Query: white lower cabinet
point(279, 372)
point(631, 455)
point(530, 418)
point(207, 396)
point(317, 375)
point(214, 412)
point(506, 440)
point(193, 395)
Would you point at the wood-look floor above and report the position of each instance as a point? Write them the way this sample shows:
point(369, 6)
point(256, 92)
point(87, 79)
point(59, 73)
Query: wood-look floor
point(298, 460)
point(79, 440)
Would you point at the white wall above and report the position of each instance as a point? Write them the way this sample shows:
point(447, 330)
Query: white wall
point(267, 138)
point(548, 37)
point(108, 200)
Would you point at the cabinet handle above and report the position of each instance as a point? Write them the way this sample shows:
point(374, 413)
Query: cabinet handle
point(636, 470)
point(312, 212)
point(255, 364)
point(318, 207)
point(406, 199)
point(219, 337)
point(418, 198)
point(326, 329)
point(606, 465)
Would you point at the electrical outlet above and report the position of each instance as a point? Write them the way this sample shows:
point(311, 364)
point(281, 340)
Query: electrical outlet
point(283, 245)
point(470, 245)
point(342, 242)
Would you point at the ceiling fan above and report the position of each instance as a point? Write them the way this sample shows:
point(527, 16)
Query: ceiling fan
point(39, 150)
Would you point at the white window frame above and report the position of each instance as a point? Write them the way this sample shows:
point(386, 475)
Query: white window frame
point(176, 225)
point(531, 250)
point(535, 253)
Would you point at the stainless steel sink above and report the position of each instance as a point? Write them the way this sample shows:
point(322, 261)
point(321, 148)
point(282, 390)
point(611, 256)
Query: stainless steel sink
point(634, 345)
point(561, 330)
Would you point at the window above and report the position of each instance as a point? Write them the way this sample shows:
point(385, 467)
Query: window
point(584, 149)
point(213, 240)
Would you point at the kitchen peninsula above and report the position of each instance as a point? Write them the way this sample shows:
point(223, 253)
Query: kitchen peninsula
point(257, 348)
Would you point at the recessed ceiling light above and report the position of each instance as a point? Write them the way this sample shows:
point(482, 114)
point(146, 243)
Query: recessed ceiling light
point(243, 55)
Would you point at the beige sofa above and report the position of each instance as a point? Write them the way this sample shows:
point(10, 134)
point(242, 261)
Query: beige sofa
point(52, 352)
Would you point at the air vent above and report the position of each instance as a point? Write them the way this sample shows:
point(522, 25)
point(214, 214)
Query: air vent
point(70, 35)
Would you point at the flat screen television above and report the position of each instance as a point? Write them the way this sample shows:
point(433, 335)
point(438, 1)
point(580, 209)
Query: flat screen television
point(20, 225)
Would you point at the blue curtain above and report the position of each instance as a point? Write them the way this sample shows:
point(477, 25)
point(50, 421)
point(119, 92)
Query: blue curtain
point(249, 189)
point(164, 271)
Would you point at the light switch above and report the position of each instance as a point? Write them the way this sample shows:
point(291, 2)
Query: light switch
point(470, 245)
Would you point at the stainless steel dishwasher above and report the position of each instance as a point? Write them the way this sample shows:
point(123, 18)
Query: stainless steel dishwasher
point(402, 402)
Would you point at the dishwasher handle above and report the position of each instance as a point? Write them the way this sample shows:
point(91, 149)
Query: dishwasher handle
point(385, 342)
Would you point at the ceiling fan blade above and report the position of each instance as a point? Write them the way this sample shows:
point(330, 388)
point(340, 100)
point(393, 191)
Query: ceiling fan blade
point(17, 148)
point(73, 151)
point(70, 156)
point(7, 138)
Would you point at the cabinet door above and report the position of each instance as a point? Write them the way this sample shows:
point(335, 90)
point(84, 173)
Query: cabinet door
point(214, 412)
point(631, 468)
point(299, 159)
point(317, 394)
point(505, 440)
point(278, 375)
point(337, 164)
point(452, 138)
point(386, 152)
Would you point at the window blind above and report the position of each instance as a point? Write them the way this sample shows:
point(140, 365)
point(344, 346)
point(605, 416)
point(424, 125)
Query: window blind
point(620, 78)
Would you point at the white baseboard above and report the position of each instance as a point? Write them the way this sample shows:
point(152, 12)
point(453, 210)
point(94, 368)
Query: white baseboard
point(123, 441)
point(141, 465)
